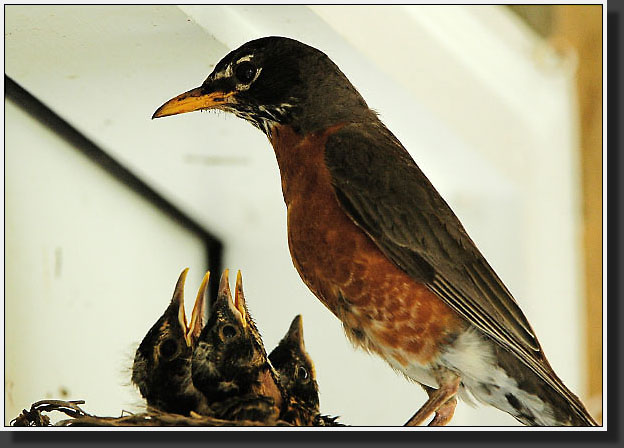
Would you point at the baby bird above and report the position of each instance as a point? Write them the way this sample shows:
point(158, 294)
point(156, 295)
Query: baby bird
point(162, 363)
point(298, 377)
point(230, 365)
point(296, 374)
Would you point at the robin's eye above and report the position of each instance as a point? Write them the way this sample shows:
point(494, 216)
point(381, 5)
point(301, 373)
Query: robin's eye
point(168, 348)
point(228, 332)
point(302, 373)
point(245, 72)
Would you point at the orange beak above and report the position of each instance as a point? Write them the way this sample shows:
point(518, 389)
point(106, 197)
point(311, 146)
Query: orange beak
point(199, 311)
point(194, 99)
point(178, 298)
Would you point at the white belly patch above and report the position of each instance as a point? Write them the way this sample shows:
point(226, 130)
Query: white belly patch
point(472, 358)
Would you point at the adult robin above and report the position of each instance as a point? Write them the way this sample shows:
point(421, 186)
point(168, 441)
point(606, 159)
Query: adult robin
point(298, 377)
point(162, 363)
point(230, 365)
point(376, 243)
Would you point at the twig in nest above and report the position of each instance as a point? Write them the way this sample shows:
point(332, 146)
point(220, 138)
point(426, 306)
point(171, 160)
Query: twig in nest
point(151, 418)
point(162, 419)
point(33, 417)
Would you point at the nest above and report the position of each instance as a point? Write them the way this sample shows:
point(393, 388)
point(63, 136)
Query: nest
point(78, 417)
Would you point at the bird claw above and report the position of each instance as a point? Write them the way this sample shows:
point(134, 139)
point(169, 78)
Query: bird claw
point(441, 402)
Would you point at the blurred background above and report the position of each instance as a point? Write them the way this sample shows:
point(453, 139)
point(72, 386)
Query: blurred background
point(501, 107)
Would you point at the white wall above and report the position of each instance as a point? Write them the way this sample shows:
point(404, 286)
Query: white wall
point(489, 122)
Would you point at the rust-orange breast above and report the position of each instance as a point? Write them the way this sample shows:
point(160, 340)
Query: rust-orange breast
point(381, 307)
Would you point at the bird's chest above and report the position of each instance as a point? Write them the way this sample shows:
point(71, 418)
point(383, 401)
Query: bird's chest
point(381, 307)
point(324, 243)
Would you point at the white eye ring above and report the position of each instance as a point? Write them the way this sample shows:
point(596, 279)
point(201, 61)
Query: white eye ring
point(246, 58)
point(249, 57)
point(242, 86)
point(229, 72)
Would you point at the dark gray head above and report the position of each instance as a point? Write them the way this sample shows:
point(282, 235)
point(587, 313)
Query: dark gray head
point(276, 80)
point(295, 366)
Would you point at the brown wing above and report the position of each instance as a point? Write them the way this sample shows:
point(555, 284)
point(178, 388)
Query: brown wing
point(385, 193)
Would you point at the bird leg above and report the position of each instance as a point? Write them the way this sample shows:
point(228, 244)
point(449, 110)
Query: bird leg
point(444, 414)
point(442, 402)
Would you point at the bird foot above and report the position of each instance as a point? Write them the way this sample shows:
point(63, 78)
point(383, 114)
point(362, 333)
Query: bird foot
point(444, 414)
point(441, 402)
